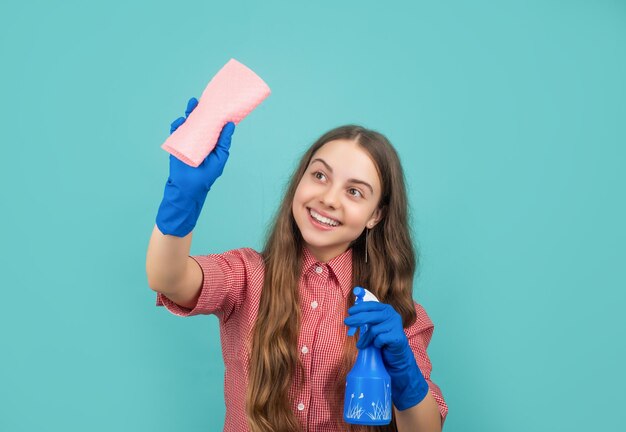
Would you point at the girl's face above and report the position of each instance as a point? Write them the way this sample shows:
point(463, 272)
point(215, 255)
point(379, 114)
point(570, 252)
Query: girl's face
point(337, 198)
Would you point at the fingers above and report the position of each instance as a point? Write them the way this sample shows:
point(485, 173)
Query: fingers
point(391, 339)
point(387, 337)
point(226, 134)
point(373, 313)
point(377, 334)
point(368, 306)
point(362, 318)
point(223, 142)
point(176, 124)
point(193, 102)
point(219, 155)
point(385, 324)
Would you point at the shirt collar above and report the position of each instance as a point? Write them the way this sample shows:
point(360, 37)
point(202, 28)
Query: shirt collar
point(340, 267)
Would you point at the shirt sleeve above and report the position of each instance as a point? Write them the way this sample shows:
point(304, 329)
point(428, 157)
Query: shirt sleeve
point(226, 278)
point(419, 335)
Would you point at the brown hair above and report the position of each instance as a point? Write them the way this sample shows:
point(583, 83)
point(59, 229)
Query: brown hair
point(388, 274)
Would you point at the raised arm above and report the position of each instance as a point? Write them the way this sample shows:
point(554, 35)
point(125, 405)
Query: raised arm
point(169, 268)
point(171, 271)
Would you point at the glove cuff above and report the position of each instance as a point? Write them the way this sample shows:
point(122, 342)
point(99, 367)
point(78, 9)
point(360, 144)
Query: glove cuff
point(178, 213)
point(409, 389)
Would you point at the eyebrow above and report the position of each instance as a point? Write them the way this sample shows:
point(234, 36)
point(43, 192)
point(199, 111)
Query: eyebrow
point(349, 180)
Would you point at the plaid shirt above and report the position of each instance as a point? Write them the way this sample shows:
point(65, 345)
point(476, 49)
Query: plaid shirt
point(231, 290)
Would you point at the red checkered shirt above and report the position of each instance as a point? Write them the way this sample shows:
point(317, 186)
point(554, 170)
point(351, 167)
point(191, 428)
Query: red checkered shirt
point(231, 290)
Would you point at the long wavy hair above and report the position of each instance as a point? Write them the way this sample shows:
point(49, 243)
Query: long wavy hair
point(389, 272)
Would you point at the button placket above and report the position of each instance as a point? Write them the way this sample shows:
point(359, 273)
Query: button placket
point(313, 298)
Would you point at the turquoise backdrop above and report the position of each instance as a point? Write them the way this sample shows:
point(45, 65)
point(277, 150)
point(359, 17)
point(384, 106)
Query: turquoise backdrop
point(510, 118)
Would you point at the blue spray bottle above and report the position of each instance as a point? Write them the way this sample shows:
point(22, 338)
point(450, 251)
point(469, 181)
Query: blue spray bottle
point(368, 385)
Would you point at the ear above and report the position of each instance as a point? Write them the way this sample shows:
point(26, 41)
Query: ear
point(376, 217)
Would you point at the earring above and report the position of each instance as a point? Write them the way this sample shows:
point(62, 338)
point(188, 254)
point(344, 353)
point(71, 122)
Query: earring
point(367, 231)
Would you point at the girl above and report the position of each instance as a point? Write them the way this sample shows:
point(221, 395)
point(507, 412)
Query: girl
point(284, 312)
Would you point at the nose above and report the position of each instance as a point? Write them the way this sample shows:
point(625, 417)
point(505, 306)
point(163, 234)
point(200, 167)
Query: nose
point(330, 198)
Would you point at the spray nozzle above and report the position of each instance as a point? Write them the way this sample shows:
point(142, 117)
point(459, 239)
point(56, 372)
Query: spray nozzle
point(361, 295)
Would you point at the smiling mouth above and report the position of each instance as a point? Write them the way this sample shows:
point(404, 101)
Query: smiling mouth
point(323, 219)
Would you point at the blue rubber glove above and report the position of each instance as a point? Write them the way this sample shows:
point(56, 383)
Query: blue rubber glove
point(385, 331)
point(187, 187)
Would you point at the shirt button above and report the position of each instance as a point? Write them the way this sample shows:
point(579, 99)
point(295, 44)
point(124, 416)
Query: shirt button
point(319, 269)
point(314, 304)
point(304, 349)
point(300, 406)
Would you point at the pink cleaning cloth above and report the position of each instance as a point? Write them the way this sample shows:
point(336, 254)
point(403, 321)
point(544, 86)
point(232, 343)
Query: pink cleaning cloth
point(230, 96)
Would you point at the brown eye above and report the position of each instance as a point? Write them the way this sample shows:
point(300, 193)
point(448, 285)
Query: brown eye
point(355, 192)
point(319, 175)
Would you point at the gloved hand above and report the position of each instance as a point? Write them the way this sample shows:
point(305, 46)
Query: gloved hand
point(385, 331)
point(187, 187)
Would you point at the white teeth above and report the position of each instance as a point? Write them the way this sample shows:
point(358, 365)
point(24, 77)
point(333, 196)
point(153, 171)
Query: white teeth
point(318, 217)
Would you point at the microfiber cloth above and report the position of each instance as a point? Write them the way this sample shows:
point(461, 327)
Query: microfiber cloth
point(230, 96)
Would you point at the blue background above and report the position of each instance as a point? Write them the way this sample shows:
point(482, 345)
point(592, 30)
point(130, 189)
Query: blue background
point(510, 121)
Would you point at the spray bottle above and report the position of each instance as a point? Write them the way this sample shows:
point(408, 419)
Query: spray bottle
point(368, 385)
